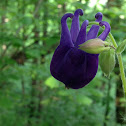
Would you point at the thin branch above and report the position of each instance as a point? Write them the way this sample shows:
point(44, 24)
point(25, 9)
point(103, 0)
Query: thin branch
point(37, 8)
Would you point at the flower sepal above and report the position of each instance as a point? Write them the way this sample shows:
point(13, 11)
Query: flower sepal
point(95, 46)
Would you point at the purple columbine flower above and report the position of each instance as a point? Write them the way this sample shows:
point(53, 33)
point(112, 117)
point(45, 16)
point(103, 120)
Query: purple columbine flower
point(70, 65)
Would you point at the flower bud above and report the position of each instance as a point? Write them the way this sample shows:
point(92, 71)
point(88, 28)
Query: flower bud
point(107, 61)
point(94, 46)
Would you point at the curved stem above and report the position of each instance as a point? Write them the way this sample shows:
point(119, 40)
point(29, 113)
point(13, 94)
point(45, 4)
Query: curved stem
point(113, 40)
point(122, 72)
point(93, 23)
point(110, 35)
point(121, 67)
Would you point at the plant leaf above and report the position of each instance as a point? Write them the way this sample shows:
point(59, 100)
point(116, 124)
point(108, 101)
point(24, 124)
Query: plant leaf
point(121, 47)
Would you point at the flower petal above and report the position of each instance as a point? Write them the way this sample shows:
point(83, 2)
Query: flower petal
point(82, 34)
point(78, 68)
point(104, 34)
point(95, 28)
point(98, 17)
point(74, 67)
point(75, 27)
point(65, 33)
point(57, 61)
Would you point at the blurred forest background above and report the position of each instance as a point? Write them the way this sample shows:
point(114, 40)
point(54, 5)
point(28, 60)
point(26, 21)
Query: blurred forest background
point(29, 96)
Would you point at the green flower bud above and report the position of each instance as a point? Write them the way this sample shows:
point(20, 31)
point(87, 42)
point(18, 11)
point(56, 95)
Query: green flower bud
point(107, 61)
point(95, 46)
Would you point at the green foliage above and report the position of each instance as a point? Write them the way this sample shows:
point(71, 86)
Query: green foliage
point(29, 95)
point(52, 83)
point(121, 47)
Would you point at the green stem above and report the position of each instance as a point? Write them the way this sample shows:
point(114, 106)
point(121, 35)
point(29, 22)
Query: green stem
point(122, 73)
point(113, 40)
point(110, 35)
point(93, 23)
